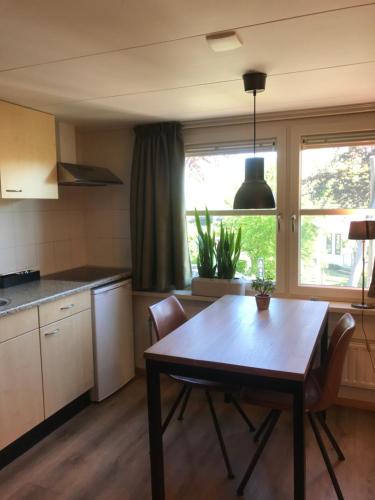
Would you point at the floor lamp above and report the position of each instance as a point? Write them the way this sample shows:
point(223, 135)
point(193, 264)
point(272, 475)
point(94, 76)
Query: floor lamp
point(362, 230)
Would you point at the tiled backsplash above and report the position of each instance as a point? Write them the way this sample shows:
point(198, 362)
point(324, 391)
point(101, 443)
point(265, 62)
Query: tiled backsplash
point(107, 218)
point(43, 234)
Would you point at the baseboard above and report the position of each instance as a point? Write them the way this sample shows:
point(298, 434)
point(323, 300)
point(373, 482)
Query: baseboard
point(355, 403)
point(28, 440)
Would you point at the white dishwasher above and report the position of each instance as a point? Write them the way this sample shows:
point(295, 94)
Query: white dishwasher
point(113, 336)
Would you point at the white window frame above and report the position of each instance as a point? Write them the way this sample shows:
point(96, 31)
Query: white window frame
point(266, 133)
point(351, 125)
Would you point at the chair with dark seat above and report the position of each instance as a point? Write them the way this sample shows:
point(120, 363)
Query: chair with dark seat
point(321, 390)
point(166, 316)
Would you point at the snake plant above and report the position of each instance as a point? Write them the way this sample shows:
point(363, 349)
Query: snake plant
point(206, 248)
point(228, 251)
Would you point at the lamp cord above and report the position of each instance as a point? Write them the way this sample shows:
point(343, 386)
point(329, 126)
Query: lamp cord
point(368, 347)
point(254, 114)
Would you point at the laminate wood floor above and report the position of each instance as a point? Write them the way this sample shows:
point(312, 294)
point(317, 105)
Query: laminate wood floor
point(102, 454)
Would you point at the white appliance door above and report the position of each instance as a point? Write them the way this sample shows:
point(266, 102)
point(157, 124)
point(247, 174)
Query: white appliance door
point(113, 338)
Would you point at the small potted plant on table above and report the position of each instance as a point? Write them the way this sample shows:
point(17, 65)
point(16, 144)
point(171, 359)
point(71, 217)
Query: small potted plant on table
point(263, 288)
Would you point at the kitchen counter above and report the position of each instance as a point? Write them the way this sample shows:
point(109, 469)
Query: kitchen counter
point(55, 286)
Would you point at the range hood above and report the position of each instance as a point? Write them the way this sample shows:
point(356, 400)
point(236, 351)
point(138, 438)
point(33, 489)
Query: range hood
point(70, 174)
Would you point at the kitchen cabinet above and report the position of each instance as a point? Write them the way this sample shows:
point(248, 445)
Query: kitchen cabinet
point(67, 360)
point(21, 389)
point(27, 153)
point(46, 361)
point(62, 308)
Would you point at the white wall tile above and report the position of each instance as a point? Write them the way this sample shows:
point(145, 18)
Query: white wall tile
point(99, 224)
point(44, 227)
point(7, 260)
point(100, 252)
point(121, 252)
point(77, 224)
point(62, 225)
point(7, 237)
point(63, 251)
point(45, 256)
point(24, 228)
point(26, 257)
point(79, 252)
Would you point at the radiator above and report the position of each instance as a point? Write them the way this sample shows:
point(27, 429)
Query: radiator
point(358, 371)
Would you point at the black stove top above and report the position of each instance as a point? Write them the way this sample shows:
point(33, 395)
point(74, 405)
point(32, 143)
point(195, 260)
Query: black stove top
point(86, 274)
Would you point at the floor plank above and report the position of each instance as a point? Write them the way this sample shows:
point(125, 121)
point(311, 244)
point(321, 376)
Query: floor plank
point(102, 454)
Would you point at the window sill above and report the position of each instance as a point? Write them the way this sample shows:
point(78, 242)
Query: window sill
point(334, 307)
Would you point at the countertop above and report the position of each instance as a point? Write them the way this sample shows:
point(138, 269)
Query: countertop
point(58, 285)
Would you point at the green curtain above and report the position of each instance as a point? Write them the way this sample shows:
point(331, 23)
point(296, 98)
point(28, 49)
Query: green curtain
point(158, 226)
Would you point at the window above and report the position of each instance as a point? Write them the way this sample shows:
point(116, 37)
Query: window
point(329, 243)
point(337, 185)
point(212, 179)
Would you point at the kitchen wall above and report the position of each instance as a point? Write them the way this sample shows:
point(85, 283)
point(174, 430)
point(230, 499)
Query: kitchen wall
point(107, 219)
point(45, 234)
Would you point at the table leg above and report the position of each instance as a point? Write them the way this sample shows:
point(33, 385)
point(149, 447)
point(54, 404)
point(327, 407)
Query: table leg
point(155, 432)
point(299, 442)
point(324, 343)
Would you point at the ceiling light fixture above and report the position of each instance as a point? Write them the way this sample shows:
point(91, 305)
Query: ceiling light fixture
point(221, 42)
point(254, 192)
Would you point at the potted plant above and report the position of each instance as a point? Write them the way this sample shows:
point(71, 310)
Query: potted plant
point(228, 251)
point(263, 288)
point(217, 256)
point(206, 248)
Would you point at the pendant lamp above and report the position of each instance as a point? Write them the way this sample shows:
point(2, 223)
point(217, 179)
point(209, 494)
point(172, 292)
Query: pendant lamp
point(254, 192)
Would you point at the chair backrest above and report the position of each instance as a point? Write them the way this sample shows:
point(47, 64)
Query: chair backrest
point(332, 369)
point(166, 316)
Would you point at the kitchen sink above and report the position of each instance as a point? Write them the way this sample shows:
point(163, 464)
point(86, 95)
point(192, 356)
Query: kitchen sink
point(4, 302)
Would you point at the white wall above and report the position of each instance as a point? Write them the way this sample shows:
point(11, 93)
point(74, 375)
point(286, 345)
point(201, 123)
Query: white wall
point(107, 214)
point(45, 234)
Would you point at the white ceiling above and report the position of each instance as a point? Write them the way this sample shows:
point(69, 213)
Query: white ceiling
point(96, 62)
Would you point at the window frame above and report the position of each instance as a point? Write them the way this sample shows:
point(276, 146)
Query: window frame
point(266, 133)
point(354, 125)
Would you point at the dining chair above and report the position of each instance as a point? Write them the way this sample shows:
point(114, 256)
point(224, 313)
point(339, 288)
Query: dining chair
point(166, 316)
point(321, 390)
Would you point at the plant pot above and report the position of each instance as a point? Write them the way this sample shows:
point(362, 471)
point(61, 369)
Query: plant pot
point(263, 302)
point(215, 287)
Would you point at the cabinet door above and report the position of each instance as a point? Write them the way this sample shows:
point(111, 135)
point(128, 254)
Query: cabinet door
point(28, 153)
point(21, 392)
point(67, 360)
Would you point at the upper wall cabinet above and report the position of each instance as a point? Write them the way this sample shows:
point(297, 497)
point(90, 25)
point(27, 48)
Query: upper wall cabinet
point(27, 153)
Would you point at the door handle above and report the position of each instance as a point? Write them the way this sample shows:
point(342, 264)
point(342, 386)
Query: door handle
point(293, 218)
point(13, 190)
point(64, 308)
point(279, 219)
point(54, 332)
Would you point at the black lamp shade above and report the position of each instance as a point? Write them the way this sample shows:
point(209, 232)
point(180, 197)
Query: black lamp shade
point(362, 230)
point(254, 192)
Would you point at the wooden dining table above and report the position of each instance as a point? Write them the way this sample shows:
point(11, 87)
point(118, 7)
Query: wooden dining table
point(232, 342)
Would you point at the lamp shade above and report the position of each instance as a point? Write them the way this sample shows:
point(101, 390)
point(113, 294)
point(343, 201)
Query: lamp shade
point(254, 191)
point(362, 230)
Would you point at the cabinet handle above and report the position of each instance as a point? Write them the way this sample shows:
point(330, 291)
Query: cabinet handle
point(64, 308)
point(13, 190)
point(53, 332)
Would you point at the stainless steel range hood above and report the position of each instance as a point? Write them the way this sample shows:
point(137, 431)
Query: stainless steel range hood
point(85, 175)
